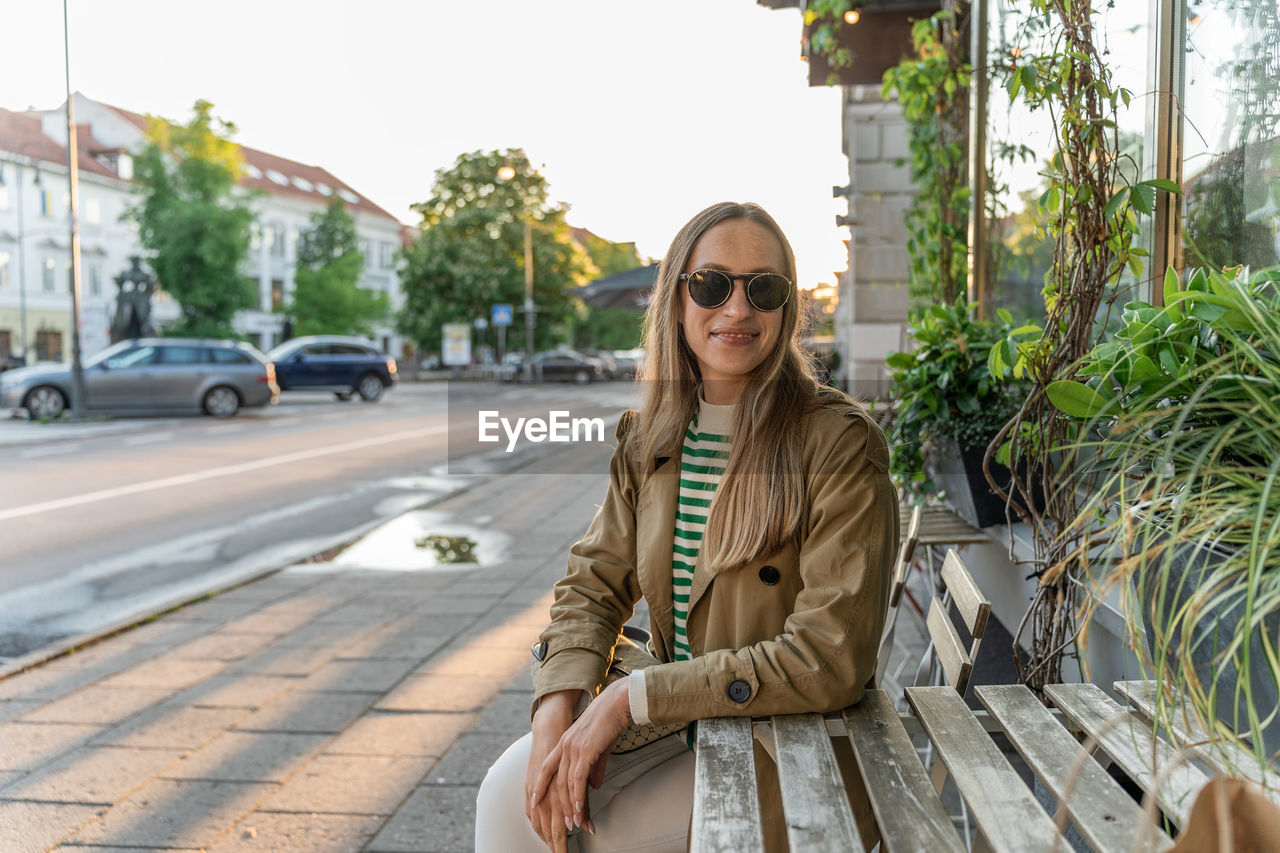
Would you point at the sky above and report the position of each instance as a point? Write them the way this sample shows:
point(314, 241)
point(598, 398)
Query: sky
point(642, 112)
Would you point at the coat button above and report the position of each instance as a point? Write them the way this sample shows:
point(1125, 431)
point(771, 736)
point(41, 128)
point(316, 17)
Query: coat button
point(770, 576)
point(739, 690)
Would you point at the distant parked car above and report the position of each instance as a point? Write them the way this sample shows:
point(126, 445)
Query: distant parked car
point(629, 362)
point(149, 375)
point(608, 363)
point(342, 365)
point(567, 366)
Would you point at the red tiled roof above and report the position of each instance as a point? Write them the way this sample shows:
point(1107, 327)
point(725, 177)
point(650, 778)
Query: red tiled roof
point(21, 134)
point(266, 163)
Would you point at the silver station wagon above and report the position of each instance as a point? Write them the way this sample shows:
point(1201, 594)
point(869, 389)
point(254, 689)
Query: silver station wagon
point(150, 375)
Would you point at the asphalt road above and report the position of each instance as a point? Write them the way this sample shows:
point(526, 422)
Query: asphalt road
point(105, 522)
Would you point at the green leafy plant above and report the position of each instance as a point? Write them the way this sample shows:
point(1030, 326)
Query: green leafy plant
point(932, 89)
point(1180, 420)
point(945, 391)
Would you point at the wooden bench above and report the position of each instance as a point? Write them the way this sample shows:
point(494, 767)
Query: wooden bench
point(726, 815)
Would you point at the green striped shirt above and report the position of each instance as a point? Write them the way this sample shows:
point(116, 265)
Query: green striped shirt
point(702, 461)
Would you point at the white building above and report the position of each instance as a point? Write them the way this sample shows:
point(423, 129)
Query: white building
point(35, 303)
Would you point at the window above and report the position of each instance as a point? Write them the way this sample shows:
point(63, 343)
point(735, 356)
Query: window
point(229, 356)
point(275, 236)
point(4, 270)
point(136, 357)
point(277, 177)
point(315, 350)
point(46, 204)
point(92, 212)
point(277, 293)
point(124, 166)
point(6, 344)
point(48, 275)
point(48, 345)
point(252, 170)
point(181, 355)
point(347, 349)
point(95, 279)
point(4, 195)
point(348, 196)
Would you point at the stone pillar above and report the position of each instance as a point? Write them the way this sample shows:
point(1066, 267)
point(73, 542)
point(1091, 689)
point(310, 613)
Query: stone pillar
point(872, 312)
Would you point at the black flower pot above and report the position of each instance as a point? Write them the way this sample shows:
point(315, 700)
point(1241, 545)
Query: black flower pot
point(958, 471)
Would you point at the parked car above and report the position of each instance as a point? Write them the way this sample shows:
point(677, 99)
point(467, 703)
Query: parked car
point(608, 363)
point(345, 366)
point(629, 362)
point(148, 375)
point(567, 366)
point(10, 362)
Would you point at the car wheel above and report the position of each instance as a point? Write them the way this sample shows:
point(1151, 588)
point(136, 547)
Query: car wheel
point(369, 388)
point(45, 402)
point(344, 396)
point(581, 377)
point(221, 402)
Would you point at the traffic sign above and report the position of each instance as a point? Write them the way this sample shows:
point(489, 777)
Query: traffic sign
point(502, 314)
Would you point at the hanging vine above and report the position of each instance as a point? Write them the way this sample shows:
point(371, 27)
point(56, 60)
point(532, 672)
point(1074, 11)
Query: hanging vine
point(1091, 212)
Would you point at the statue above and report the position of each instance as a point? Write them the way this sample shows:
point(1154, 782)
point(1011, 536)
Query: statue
point(133, 303)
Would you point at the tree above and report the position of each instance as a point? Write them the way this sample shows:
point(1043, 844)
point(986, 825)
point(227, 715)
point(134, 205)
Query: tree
point(192, 223)
point(470, 252)
point(326, 298)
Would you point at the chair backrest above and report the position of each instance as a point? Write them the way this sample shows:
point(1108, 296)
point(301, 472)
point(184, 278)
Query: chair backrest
point(973, 609)
point(906, 550)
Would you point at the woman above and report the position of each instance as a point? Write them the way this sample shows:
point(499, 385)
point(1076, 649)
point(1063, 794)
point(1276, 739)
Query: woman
point(753, 510)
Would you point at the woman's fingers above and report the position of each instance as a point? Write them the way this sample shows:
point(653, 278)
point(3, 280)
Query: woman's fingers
point(550, 765)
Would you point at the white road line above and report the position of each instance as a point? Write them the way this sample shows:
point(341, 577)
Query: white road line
point(148, 439)
point(57, 450)
point(282, 422)
point(211, 473)
point(223, 429)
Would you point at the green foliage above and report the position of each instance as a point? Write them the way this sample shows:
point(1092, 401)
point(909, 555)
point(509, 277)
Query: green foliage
point(189, 219)
point(609, 329)
point(945, 391)
point(609, 257)
point(1187, 450)
point(470, 252)
point(327, 299)
point(932, 88)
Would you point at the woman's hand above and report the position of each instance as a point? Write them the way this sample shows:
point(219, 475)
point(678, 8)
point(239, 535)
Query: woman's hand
point(580, 756)
point(549, 815)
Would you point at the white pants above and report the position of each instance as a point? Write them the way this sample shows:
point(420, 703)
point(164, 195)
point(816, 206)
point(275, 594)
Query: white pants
point(644, 803)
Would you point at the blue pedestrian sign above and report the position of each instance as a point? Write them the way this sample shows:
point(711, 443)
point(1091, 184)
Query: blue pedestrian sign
point(502, 314)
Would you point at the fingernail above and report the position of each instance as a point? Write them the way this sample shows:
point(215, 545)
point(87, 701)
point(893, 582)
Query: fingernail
point(577, 807)
point(577, 821)
point(568, 824)
point(591, 827)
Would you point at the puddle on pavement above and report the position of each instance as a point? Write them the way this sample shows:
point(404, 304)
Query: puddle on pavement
point(418, 541)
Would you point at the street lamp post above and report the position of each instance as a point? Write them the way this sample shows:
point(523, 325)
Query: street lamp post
point(73, 178)
point(506, 173)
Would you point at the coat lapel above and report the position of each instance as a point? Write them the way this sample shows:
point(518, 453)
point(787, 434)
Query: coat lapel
point(655, 530)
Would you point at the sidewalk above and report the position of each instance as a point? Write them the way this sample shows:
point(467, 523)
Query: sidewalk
point(313, 710)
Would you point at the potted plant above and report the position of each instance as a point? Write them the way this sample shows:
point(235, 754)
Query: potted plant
point(949, 407)
point(1181, 419)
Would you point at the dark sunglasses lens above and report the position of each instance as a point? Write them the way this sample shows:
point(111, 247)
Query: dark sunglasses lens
point(709, 288)
point(769, 292)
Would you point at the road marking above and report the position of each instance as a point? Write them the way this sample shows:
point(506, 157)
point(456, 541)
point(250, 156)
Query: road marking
point(211, 473)
point(282, 422)
point(223, 429)
point(50, 451)
point(148, 439)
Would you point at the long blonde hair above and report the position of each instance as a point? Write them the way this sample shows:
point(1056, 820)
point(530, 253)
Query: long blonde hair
point(760, 501)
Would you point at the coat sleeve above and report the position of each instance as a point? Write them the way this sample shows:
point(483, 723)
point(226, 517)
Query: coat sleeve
point(826, 655)
point(599, 591)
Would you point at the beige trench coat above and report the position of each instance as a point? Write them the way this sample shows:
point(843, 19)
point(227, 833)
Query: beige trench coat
point(794, 631)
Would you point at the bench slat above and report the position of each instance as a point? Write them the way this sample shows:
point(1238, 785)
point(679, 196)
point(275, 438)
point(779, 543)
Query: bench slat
point(1001, 804)
point(1130, 744)
point(946, 642)
point(969, 600)
point(907, 809)
point(819, 817)
point(1098, 806)
point(1224, 757)
point(726, 809)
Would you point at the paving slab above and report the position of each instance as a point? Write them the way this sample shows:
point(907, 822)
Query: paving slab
point(435, 819)
point(401, 735)
point(236, 691)
point(410, 641)
point(10, 708)
point(350, 784)
point(486, 661)
point(221, 645)
point(173, 726)
point(440, 693)
point(168, 813)
point(301, 711)
point(97, 704)
point(291, 833)
point(34, 827)
point(301, 660)
point(247, 757)
point(507, 714)
point(470, 758)
point(92, 776)
point(360, 676)
point(26, 746)
point(166, 673)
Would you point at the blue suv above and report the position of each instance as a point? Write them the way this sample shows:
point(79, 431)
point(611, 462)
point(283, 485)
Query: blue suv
point(344, 366)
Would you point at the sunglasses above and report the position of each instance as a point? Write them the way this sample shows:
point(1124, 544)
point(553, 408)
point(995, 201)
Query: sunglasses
point(712, 288)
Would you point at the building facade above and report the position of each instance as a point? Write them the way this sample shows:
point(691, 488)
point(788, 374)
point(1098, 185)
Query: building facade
point(35, 261)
